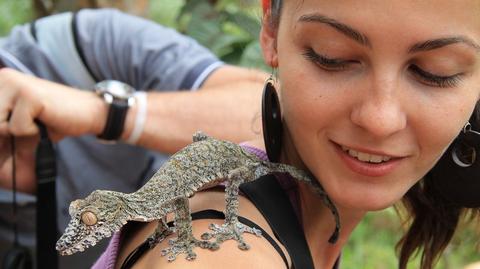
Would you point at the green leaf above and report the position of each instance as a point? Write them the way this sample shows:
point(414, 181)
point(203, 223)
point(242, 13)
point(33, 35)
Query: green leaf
point(165, 12)
point(13, 12)
point(205, 24)
point(224, 44)
point(252, 57)
point(245, 22)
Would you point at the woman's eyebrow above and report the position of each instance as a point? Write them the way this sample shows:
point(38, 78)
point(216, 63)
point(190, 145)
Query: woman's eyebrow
point(362, 39)
point(341, 27)
point(442, 42)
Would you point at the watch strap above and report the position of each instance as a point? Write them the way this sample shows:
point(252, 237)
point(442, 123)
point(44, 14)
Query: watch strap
point(117, 114)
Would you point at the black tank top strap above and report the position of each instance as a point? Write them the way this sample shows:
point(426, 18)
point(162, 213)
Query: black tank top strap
point(272, 201)
point(215, 214)
point(143, 248)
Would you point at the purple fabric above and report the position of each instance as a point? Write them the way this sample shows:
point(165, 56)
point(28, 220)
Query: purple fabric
point(108, 258)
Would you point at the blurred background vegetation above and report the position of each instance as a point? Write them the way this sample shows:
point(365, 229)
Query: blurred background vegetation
point(230, 29)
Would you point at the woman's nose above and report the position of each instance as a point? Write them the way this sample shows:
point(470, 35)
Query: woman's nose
point(379, 111)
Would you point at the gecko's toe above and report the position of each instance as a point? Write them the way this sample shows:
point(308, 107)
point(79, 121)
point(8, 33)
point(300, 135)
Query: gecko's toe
point(178, 246)
point(191, 256)
point(209, 245)
point(207, 236)
point(171, 258)
point(233, 231)
point(243, 246)
point(171, 253)
point(164, 252)
point(215, 246)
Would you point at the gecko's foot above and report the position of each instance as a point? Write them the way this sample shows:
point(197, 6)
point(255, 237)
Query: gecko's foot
point(178, 246)
point(231, 231)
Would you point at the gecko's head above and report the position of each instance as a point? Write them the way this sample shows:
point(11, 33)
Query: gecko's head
point(92, 219)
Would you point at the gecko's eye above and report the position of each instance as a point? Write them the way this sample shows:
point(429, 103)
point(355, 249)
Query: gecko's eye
point(89, 218)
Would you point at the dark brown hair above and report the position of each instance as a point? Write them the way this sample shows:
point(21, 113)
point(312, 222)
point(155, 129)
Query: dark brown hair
point(433, 220)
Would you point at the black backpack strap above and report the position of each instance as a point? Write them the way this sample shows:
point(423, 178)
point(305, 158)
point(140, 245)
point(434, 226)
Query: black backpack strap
point(272, 201)
point(47, 229)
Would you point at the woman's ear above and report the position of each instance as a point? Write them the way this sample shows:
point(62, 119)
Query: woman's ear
point(268, 42)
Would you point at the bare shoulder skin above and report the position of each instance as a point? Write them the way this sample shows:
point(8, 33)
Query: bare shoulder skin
point(228, 256)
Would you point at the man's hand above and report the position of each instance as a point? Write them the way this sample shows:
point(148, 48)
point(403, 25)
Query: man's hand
point(25, 163)
point(64, 111)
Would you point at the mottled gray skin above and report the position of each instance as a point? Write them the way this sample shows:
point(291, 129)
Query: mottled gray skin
point(202, 164)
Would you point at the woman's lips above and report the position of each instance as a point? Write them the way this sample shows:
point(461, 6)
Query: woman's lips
point(370, 169)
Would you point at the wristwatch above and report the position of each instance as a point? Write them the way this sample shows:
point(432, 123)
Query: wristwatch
point(119, 96)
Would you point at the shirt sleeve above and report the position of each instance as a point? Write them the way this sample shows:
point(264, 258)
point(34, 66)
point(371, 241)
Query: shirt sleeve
point(115, 45)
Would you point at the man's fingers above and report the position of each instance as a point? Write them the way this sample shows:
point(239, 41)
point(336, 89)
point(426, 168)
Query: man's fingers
point(7, 97)
point(6, 173)
point(4, 128)
point(4, 149)
point(57, 106)
point(25, 163)
point(22, 122)
point(12, 95)
point(6, 105)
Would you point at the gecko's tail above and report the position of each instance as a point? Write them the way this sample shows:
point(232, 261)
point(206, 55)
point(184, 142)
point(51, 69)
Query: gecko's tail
point(299, 174)
point(317, 188)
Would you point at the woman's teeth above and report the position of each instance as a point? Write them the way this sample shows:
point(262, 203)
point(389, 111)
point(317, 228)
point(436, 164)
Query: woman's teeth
point(365, 157)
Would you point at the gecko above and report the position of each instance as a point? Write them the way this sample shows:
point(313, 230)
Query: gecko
point(203, 164)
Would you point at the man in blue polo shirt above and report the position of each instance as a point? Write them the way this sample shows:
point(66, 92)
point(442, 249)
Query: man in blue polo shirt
point(174, 87)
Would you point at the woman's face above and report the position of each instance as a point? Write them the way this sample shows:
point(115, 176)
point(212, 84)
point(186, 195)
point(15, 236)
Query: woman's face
point(374, 91)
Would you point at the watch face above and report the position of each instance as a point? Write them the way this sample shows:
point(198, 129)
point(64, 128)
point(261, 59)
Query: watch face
point(116, 88)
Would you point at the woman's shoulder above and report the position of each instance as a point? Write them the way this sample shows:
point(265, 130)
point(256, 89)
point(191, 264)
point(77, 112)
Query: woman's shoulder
point(260, 255)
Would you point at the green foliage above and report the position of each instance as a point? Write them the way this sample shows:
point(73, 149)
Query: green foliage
point(228, 28)
point(13, 12)
point(372, 244)
point(165, 12)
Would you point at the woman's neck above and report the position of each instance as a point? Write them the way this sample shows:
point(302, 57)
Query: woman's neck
point(317, 218)
point(319, 224)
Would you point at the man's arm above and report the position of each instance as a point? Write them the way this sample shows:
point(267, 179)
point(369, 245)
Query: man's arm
point(226, 107)
point(170, 67)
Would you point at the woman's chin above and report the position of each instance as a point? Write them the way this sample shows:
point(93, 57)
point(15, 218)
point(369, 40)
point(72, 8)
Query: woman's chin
point(365, 201)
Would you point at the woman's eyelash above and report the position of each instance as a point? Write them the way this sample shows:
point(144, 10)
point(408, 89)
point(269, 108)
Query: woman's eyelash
point(325, 62)
point(434, 80)
point(332, 64)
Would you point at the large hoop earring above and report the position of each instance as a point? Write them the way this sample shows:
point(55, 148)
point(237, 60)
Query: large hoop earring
point(456, 176)
point(271, 121)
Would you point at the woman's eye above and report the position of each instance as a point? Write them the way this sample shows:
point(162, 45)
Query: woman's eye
point(435, 80)
point(329, 64)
